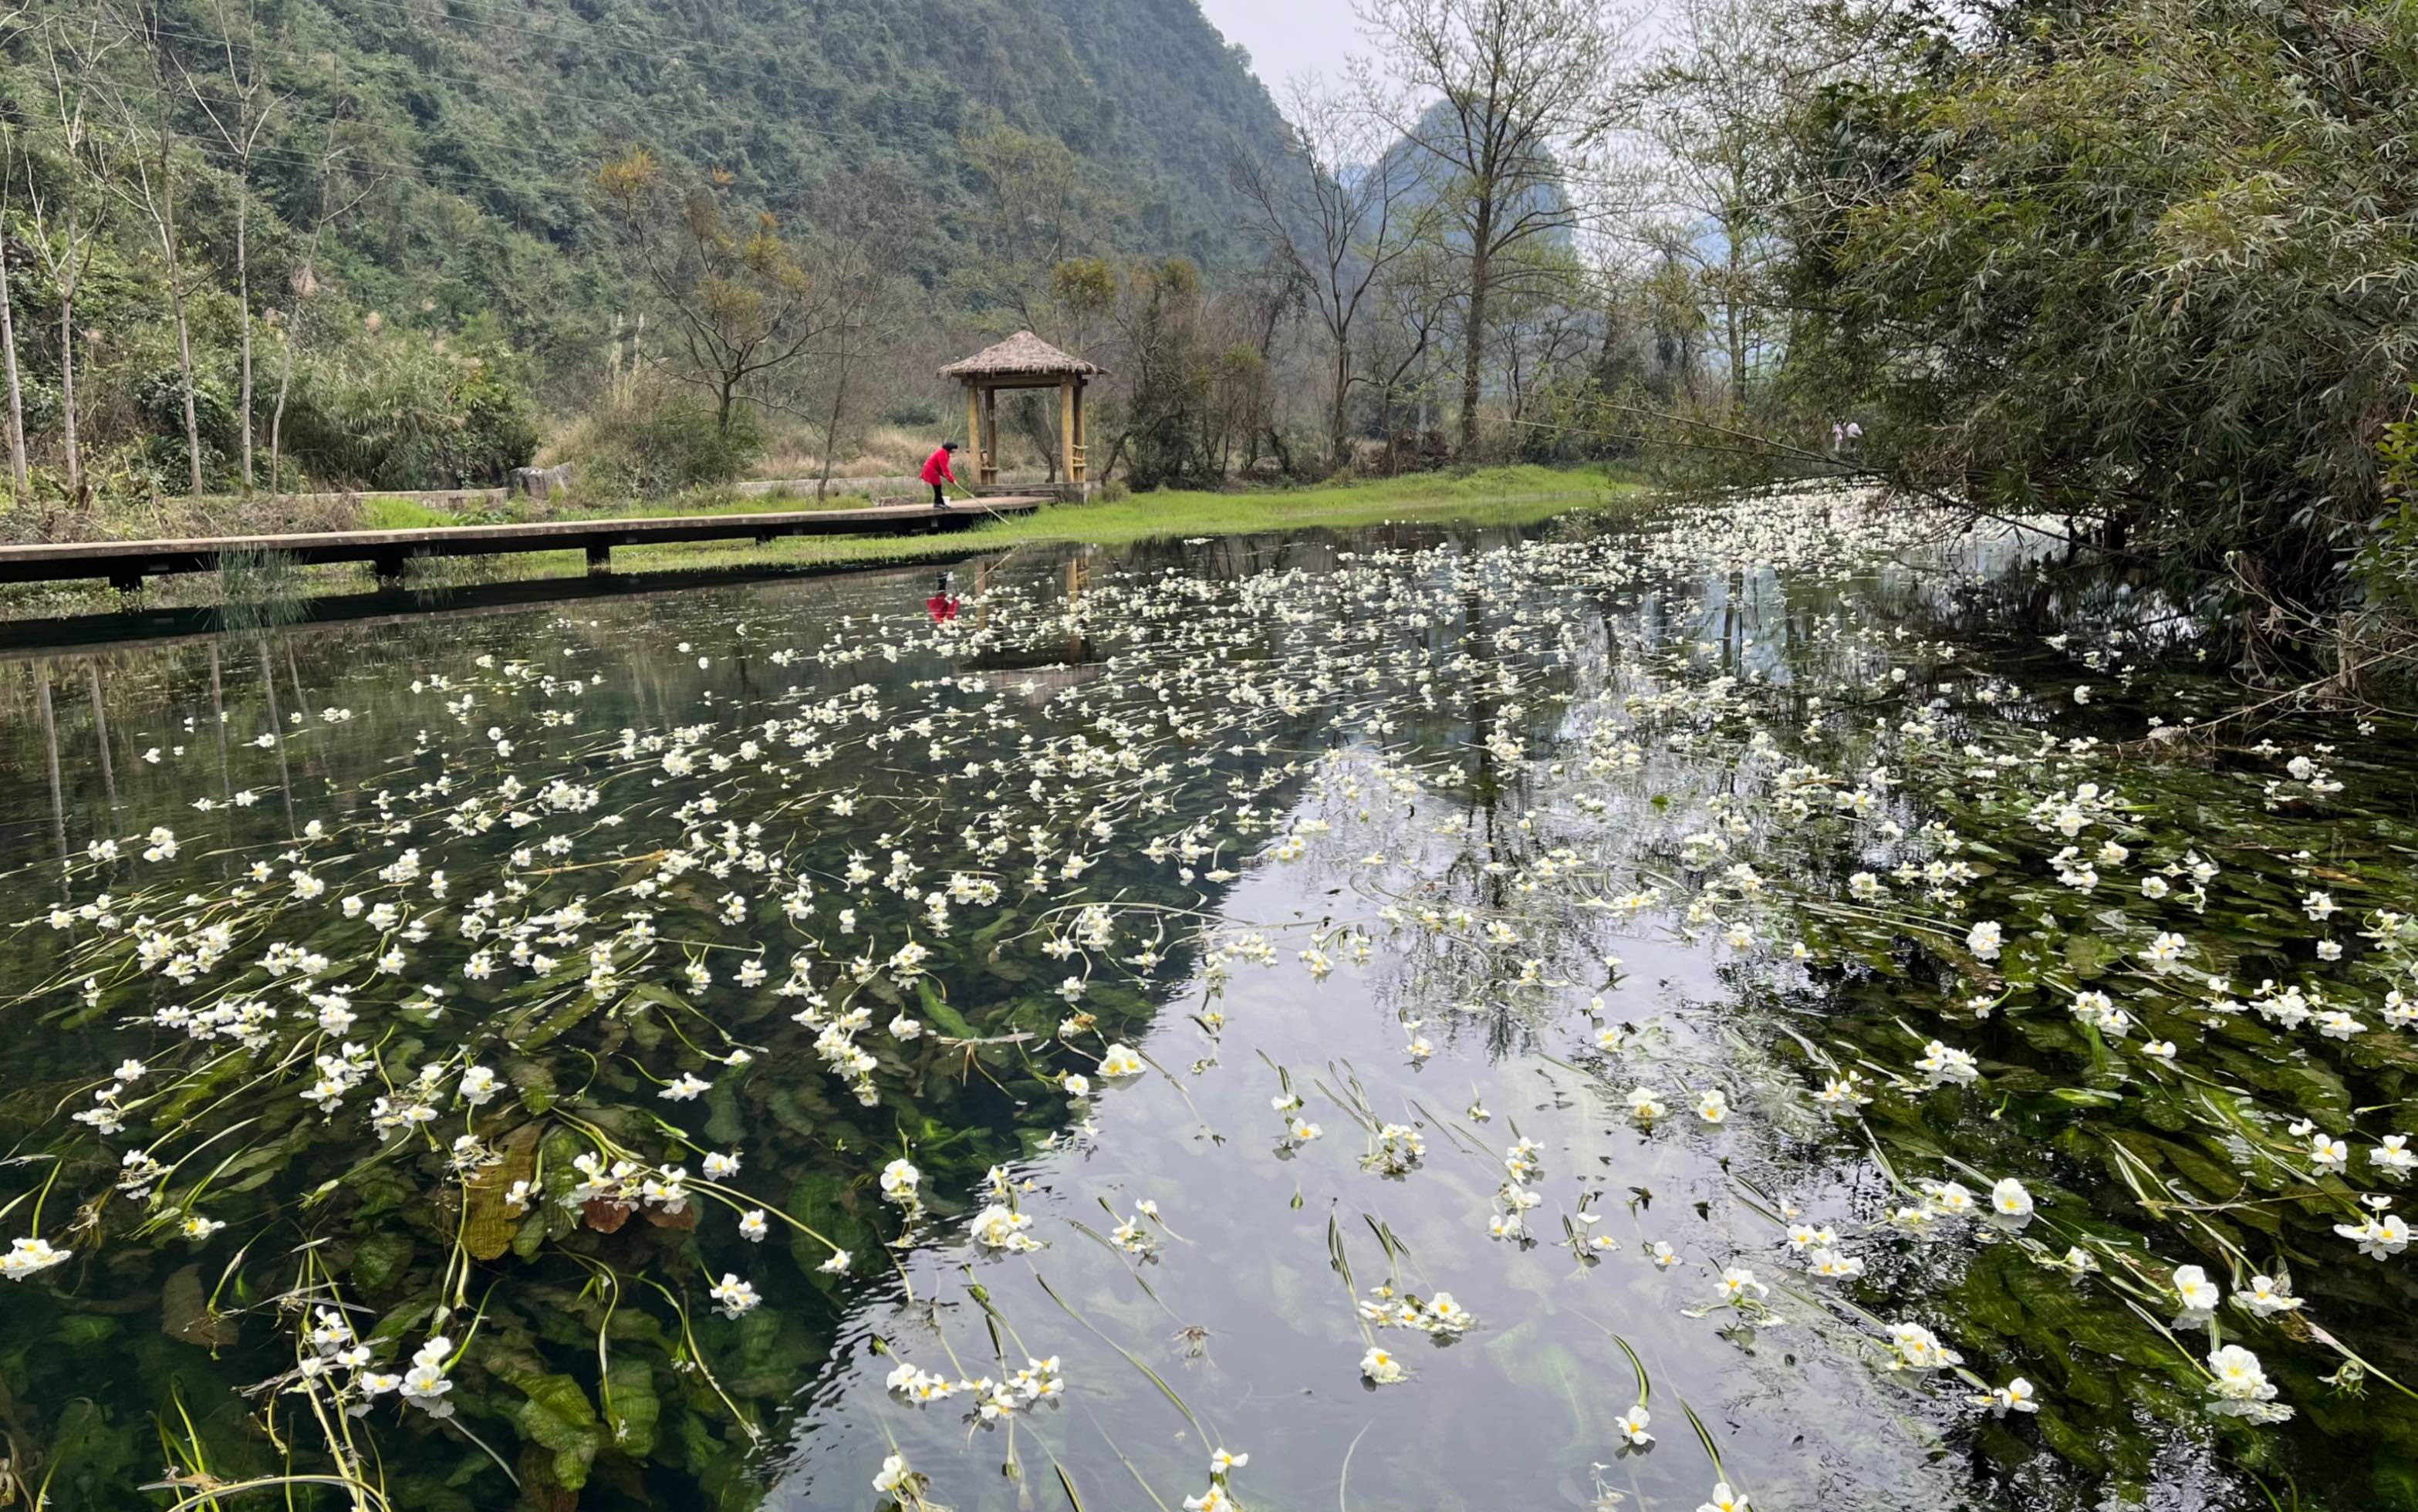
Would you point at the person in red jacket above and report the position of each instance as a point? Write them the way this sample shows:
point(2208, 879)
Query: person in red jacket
point(936, 467)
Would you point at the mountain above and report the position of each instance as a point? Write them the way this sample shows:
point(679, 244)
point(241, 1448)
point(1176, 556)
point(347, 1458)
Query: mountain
point(475, 125)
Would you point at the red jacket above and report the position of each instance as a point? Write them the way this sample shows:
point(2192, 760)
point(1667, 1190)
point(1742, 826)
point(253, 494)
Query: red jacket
point(936, 467)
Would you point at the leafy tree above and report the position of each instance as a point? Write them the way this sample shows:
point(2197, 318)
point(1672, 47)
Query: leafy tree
point(736, 296)
point(2134, 266)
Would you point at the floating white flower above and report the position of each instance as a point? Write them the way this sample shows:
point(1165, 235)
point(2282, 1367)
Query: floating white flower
point(30, 1256)
point(1632, 1425)
point(1920, 1349)
point(2016, 1396)
point(733, 1296)
point(1983, 939)
point(1380, 1367)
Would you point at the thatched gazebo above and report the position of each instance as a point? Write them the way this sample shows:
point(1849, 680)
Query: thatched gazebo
point(1024, 360)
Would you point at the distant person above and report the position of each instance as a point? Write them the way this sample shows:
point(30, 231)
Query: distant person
point(937, 469)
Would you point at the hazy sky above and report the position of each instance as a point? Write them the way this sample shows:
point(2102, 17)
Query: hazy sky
point(1290, 36)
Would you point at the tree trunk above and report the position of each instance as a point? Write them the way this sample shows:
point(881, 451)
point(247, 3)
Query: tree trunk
point(18, 479)
point(831, 428)
point(243, 300)
point(185, 365)
point(164, 220)
point(1339, 421)
point(1473, 335)
point(285, 380)
point(1737, 328)
point(66, 390)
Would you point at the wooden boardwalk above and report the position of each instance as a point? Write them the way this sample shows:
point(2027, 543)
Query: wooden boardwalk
point(125, 563)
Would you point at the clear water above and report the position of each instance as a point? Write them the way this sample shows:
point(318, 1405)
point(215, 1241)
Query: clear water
point(1357, 820)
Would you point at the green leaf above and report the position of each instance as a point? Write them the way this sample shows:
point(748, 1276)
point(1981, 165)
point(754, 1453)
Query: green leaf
point(635, 1409)
point(557, 1418)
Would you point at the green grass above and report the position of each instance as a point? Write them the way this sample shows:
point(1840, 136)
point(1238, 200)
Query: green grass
point(384, 512)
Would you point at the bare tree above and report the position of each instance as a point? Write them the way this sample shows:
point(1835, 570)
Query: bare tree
point(20, 480)
point(1523, 81)
point(239, 111)
point(149, 184)
point(303, 286)
point(852, 261)
point(1713, 106)
point(1340, 206)
point(69, 52)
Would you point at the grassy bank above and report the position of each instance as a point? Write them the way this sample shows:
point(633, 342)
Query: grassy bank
point(1510, 496)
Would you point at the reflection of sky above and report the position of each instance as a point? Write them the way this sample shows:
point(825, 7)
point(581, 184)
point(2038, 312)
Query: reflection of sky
point(1517, 1412)
point(1512, 1414)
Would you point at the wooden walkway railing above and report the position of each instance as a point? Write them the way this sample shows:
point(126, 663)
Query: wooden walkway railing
point(125, 563)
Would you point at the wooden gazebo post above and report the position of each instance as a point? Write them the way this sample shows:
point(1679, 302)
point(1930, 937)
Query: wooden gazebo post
point(1025, 360)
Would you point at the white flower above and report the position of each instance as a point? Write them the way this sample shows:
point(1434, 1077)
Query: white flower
point(899, 1178)
point(1645, 1104)
point(1947, 1064)
point(30, 1256)
point(2009, 1199)
point(998, 1226)
point(1119, 1061)
point(1983, 939)
point(1920, 1349)
point(2238, 1376)
point(895, 1474)
point(1738, 1284)
point(1380, 1367)
point(1632, 1425)
point(687, 1088)
point(1711, 1105)
point(1221, 1461)
point(1077, 1085)
point(1724, 1500)
point(2264, 1297)
point(2016, 1395)
point(734, 1296)
point(751, 1226)
point(2327, 1153)
point(2196, 1290)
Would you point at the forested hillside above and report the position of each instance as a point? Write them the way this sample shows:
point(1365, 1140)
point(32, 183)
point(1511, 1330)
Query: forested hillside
point(486, 119)
point(380, 218)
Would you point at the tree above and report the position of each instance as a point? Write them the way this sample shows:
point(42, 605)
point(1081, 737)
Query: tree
point(2131, 266)
point(739, 301)
point(238, 109)
point(853, 261)
point(149, 183)
point(65, 198)
point(1714, 106)
point(1339, 207)
point(1522, 80)
point(303, 286)
point(20, 480)
point(1039, 212)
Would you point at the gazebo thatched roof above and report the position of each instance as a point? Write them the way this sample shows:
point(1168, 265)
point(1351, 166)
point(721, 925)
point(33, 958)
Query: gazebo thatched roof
point(1022, 356)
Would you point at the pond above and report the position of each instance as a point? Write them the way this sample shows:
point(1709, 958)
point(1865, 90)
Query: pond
point(1694, 1013)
